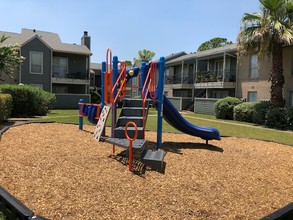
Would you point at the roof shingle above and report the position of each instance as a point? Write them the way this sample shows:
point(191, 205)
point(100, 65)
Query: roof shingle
point(51, 39)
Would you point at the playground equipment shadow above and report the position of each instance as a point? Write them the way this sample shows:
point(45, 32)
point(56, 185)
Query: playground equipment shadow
point(177, 147)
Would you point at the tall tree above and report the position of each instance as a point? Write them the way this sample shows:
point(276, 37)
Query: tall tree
point(213, 43)
point(9, 58)
point(266, 33)
point(128, 63)
point(144, 55)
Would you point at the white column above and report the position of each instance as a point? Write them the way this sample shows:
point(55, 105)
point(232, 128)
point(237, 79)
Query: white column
point(224, 66)
point(182, 71)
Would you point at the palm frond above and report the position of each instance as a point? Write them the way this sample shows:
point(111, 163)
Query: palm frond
point(271, 5)
point(287, 36)
point(251, 18)
point(3, 38)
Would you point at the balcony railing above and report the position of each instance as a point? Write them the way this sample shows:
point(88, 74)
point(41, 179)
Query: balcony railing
point(177, 79)
point(215, 76)
point(66, 75)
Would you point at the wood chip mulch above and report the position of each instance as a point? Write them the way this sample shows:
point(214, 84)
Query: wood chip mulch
point(62, 173)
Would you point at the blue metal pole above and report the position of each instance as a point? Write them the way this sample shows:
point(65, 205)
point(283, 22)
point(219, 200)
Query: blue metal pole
point(160, 91)
point(103, 84)
point(142, 76)
point(114, 79)
point(80, 117)
point(103, 91)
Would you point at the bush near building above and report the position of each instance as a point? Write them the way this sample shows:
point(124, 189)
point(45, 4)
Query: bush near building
point(27, 100)
point(5, 107)
point(261, 113)
point(244, 112)
point(290, 117)
point(277, 118)
point(224, 108)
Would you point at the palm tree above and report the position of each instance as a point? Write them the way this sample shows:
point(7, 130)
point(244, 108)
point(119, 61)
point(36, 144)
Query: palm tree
point(144, 55)
point(266, 33)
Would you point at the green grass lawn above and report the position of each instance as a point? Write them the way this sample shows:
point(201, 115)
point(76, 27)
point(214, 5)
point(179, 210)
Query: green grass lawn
point(226, 127)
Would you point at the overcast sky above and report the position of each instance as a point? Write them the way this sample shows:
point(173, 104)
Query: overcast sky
point(127, 26)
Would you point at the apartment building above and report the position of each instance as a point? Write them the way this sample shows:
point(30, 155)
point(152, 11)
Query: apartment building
point(253, 77)
point(202, 78)
point(54, 66)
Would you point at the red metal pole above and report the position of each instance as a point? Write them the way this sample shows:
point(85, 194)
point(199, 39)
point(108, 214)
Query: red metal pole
point(130, 142)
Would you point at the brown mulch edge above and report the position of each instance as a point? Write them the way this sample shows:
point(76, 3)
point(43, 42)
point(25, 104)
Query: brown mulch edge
point(60, 172)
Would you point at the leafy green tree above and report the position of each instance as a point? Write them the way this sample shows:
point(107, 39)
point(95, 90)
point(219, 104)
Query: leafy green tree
point(266, 33)
point(214, 43)
point(9, 58)
point(128, 63)
point(144, 55)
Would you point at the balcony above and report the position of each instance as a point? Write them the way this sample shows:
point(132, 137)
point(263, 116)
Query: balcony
point(178, 81)
point(215, 79)
point(70, 78)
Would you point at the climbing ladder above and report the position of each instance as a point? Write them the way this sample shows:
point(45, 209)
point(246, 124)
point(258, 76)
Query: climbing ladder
point(133, 111)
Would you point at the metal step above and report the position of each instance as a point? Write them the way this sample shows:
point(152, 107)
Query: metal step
point(119, 132)
point(132, 111)
point(123, 142)
point(122, 121)
point(132, 103)
point(138, 146)
point(154, 159)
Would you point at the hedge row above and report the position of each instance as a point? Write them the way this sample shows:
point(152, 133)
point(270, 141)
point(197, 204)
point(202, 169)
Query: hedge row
point(27, 100)
point(254, 112)
point(5, 107)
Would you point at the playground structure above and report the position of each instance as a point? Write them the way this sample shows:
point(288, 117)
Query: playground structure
point(151, 86)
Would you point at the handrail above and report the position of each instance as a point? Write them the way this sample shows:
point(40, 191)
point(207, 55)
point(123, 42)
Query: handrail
point(130, 142)
point(121, 82)
point(98, 112)
point(108, 75)
point(149, 87)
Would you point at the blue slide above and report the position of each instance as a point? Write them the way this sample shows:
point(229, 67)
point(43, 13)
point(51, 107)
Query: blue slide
point(174, 118)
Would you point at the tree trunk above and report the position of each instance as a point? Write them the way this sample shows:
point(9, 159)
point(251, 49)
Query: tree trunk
point(277, 77)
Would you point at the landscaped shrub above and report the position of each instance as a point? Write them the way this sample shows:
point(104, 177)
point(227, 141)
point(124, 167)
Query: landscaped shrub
point(244, 111)
point(224, 107)
point(277, 118)
point(290, 117)
point(259, 112)
point(27, 100)
point(44, 103)
point(5, 106)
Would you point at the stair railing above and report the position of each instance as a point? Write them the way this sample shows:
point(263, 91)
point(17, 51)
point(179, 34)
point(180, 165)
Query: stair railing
point(120, 85)
point(149, 87)
point(108, 76)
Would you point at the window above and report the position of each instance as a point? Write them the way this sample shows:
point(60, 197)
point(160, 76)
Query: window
point(60, 66)
point(219, 64)
point(220, 94)
point(251, 97)
point(60, 89)
point(36, 62)
point(253, 68)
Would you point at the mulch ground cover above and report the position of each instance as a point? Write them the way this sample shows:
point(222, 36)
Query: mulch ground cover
point(62, 173)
